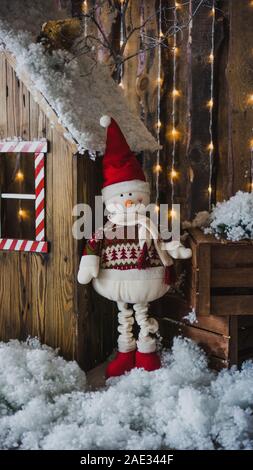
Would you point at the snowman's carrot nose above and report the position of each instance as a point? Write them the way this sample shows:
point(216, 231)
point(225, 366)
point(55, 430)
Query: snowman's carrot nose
point(128, 203)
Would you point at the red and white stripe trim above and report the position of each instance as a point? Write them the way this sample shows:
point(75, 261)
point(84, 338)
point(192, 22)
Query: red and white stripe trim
point(39, 163)
point(39, 148)
point(9, 244)
point(23, 146)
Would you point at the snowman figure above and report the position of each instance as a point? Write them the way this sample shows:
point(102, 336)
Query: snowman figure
point(126, 260)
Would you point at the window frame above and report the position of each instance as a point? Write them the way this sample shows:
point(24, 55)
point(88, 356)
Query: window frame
point(39, 149)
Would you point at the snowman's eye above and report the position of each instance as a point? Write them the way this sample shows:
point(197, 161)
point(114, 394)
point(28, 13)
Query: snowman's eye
point(121, 195)
point(130, 194)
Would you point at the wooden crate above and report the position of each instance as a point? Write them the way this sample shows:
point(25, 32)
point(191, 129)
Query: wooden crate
point(220, 276)
point(219, 287)
point(227, 340)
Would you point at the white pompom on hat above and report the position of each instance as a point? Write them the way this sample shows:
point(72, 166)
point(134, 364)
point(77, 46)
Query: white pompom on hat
point(105, 121)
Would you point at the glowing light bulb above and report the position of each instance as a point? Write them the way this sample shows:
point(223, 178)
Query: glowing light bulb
point(210, 189)
point(21, 213)
point(210, 146)
point(159, 124)
point(172, 214)
point(19, 176)
point(157, 208)
point(161, 34)
point(174, 134)
point(175, 50)
point(177, 5)
point(84, 6)
point(121, 42)
point(159, 80)
point(250, 100)
point(210, 104)
point(175, 93)
point(213, 11)
point(157, 168)
point(211, 58)
point(121, 85)
point(173, 174)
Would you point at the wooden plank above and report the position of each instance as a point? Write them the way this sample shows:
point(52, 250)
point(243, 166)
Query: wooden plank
point(239, 78)
point(60, 322)
point(204, 274)
point(212, 343)
point(44, 105)
point(233, 340)
point(239, 277)
point(232, 256)
point(199, 137)
point(245, 339)
point(3, 92)
point(232, 305)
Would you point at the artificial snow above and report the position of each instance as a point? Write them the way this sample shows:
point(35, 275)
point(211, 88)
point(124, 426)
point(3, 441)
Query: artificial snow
point(233, 219)
point(78, 92)
point(46, 404)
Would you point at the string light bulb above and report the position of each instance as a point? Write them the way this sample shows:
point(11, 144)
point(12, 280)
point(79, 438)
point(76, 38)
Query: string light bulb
point(121, 85)
point(159, 124)
point(157, 168)
point(175, 50)
point(210, 146)
point(174, 134)
point(157, 208)
point(175, 93)
point(210, 104)
point(213, 11)
point(210, 189)
point(21, 213)
point(173, 174)
point(250, 100)
point(211, 57)
point(19, 176)
point(177, 5)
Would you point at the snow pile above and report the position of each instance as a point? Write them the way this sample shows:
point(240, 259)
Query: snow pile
point(44, 404)
point(79, 92)
point(233, 219)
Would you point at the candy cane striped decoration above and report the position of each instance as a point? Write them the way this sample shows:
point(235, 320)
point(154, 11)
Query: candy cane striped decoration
point(39, 148)
point(23, 147)
point(39, 197)
point(9, 244)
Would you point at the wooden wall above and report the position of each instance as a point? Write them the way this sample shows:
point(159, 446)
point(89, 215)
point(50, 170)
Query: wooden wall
point(233, 78)
point(39, 295)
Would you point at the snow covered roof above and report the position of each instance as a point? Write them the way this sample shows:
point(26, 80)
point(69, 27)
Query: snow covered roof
point(79, 93)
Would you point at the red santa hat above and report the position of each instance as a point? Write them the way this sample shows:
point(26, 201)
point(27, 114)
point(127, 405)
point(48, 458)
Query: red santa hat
point(121, 170)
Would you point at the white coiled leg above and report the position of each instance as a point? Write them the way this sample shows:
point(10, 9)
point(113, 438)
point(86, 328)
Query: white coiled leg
point(145, 343)
point(126, 341)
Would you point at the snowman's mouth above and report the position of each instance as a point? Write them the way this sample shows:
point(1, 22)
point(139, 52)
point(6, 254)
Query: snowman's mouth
point(119, 208)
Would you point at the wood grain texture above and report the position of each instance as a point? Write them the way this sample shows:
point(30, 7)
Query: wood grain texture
point(239, 78)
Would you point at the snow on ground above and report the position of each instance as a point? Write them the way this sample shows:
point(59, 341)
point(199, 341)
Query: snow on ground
point(79, 93)
point(44, 403)
point(233, 219)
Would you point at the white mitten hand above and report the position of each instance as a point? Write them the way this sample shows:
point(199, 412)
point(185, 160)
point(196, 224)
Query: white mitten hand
point(88, 268)
point(177, 251)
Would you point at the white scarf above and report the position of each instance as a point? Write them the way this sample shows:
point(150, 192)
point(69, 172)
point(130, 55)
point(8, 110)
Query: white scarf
point(147, 231)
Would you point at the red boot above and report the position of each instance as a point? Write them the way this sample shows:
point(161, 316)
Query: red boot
point(147, 361)
point(122, 363)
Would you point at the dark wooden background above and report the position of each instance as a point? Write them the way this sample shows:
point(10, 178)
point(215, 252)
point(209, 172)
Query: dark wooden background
point(233, 84)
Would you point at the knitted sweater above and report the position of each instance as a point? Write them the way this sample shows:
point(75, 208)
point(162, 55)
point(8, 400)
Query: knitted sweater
point(124, 253)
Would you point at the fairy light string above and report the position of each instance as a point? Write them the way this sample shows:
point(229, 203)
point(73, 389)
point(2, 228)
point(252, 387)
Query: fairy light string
point(175, 94)
point(210, 105)
point(158, 167)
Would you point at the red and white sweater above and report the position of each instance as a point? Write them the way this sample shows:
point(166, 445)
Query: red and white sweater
point(123, 258)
